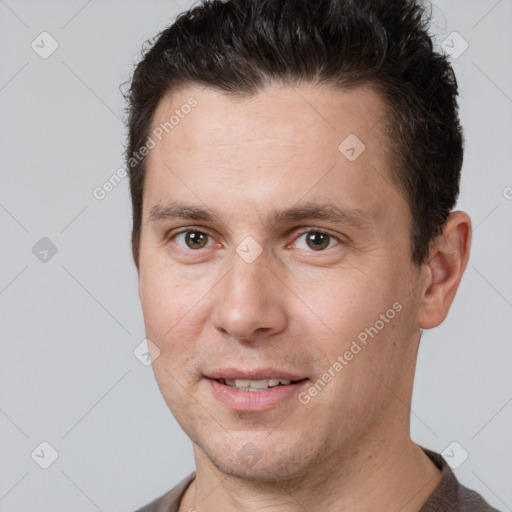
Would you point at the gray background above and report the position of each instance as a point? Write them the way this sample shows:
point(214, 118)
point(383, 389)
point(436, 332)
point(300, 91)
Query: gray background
point(68, 375)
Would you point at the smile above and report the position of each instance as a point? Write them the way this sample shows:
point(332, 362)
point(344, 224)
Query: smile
point(255, 395)
point(254, 385)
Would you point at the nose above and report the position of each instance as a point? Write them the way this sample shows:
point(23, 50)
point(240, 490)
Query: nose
point(250, 301)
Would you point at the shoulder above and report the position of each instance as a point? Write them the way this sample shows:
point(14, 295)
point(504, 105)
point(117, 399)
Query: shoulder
point(170, 501)
point(450, 495)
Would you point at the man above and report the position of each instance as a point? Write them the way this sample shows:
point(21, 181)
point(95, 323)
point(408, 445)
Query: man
point(294, 165)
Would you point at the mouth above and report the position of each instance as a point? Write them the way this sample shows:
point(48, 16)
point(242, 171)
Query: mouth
point(256, 385)
point(255, 391)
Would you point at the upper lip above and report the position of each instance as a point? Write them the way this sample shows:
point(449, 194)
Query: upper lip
point(252, 374)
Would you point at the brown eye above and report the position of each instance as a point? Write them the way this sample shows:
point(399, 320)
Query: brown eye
point(195, 239)
point(317, 241)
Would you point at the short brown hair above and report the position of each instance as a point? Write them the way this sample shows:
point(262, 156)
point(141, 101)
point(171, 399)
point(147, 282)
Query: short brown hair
point(239, 46)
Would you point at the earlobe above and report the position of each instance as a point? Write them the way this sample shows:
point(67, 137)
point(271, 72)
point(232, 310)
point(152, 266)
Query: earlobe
point(447, 262)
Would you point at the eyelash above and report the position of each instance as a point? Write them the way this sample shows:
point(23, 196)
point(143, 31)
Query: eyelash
point(300, 234)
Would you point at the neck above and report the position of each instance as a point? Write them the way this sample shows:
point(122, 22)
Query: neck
point(388, 475)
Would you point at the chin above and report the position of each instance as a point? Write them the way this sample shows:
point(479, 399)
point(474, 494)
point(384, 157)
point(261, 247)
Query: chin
point(264, 471)
point(254, 458)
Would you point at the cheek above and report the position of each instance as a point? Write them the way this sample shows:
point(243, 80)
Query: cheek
point(171, 324)
point(174, 310)
point(157, 303)
point(161, 305)
point(350, 303)
point(368, 320)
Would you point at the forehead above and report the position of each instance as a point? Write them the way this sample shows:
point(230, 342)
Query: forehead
point(305, 115)
point(275, 147)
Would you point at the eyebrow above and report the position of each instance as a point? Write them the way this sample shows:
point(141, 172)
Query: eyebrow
point(309, 211)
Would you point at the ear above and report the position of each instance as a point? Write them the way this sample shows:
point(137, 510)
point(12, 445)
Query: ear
point(135, 250)
point(136, 256)
point(447, 260)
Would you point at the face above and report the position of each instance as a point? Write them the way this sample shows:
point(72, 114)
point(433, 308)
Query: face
point(275, 247)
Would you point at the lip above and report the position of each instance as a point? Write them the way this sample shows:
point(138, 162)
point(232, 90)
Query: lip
point(254, 401)
point(252, 374)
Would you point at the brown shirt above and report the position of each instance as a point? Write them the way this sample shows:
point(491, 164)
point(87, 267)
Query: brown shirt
point(448, 496)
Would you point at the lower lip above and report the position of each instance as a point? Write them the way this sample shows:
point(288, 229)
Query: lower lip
point(254, 401)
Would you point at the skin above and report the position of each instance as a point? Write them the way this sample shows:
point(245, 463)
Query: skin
point(294, 307)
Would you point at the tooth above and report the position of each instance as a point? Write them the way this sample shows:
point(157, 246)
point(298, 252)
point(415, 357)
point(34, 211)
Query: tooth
point(242, 383)
point(254, 385)
point(259, 384)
